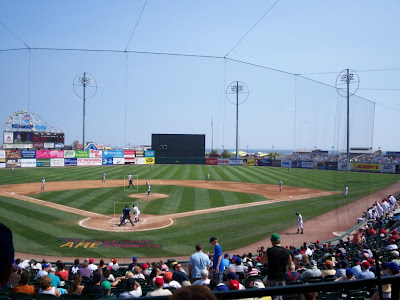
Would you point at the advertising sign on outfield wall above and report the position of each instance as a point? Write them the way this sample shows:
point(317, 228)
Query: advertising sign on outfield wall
point(2, 154)
point(58, 145)
point(343, 166)
point(18, 146)
point(140, 161)
point(118, 161)
point(37, 145)
point(89, 161)
point(397, 169)
point(2, 160)
point(235, 162)
point(69, 153)
point(43, 162)
point(13, 163)
point(388, 169)
point(81, 154)
point(223, 161)
point(129, 153)
point(358, 167)
point(248, 162)
point(296, 164)
point(107, 161)
point(149, 153)
point(28, 154)
point(286, 163)
point(56, 162)
point(95, 153)
point(8, 138)
point(140, 153)
point(28, 163)
point(331, 165)
point(13, 154)
point(212, 161)
point(113, 153)
point(49, 154)
point(307, 164)
point(149, 160)
point(2, 165)
point(130, 160)
point(70, 161)
point(48, 145)
point(263, 162)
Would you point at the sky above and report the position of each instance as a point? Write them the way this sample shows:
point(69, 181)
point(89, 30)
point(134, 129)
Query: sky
point(168, 64)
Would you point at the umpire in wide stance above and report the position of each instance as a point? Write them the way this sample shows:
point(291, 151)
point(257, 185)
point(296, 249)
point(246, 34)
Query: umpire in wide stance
point(126, 215)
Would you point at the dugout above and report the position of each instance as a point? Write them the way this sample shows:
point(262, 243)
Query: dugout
point(178, 148)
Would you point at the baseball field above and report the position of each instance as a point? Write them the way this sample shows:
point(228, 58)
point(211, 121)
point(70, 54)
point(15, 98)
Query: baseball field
point(77, 215)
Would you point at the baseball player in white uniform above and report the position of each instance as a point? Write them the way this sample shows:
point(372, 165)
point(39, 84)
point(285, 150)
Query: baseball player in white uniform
point(130, 180)
point(43, 183)
point(346, 191)
point(136, 212)
point(103, 177)
point(208, 177)
point(299, 223)
point(280, 185)
point(148, 187)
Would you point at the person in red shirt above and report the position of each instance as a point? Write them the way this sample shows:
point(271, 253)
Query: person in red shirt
point(61, 272)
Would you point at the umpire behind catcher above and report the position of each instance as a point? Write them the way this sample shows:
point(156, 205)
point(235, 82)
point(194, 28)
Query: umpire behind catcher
point(126, 215)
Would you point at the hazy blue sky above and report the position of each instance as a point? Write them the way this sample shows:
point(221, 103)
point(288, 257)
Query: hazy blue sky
point(143, 93)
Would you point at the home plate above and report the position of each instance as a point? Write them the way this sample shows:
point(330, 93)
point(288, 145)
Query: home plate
point(291, 197)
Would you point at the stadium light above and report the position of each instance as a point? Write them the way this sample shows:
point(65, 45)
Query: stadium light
point(84, 80)
point(233, 91)
point(347, 84)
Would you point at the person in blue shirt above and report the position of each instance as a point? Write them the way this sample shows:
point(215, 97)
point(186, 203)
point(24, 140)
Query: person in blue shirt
point(217, 266)
point(198, 261)
point(365, 272)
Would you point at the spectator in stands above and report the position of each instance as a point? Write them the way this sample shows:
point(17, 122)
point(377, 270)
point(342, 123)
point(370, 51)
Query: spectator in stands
point(349, 275)
point(392, 246)
point(179, 275)
point(95, 287)
point(329, 271)
point(193, 292)
point(114, 264)
point(44, 271)
point(216, 286)
point(134, 290)
point(91, 265)
point(392, 269)
point(158, 288)
point(198, 262)
point(292, 274)
point(226, 262)
point(217, 267)
point(393, 236)
point(235, 285)
point(312, 271)
point(145, 269)
point(341, 268)
point(133, 263)
point(395, 257)
point(55, 280)
point(278, 259)
point(169, 282)
point(106, 285)
point(76, 287)
point(156, 272)
point(107, 275)
point(74, 268)
point(23, 286)
point(46, 287)
point(365, 272)
point(251, 271)
point(357, 266)
point(204, 278)
point(15, 278)
point(137, 272)
point(61, 272)
point(85, 271)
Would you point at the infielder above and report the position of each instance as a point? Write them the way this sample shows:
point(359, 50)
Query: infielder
point(103, 177)
point(346, 191)
point(43, 183)
point(12, 169)
point(148, 187)
point(280, 185)
point(136, 211)
point(299, 223)
point(126, 216)
point(130, 181)
point(208, 177)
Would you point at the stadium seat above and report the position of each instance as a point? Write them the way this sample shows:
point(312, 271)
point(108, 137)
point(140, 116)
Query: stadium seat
point(22, 296)
point(45, 297)
point(5, 297)
point(71, 297)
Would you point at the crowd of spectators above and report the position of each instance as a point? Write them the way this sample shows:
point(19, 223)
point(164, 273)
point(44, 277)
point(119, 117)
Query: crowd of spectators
point(351, 258)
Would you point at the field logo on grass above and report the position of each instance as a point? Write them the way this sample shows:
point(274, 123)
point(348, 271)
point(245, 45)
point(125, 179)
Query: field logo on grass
point(93, 244)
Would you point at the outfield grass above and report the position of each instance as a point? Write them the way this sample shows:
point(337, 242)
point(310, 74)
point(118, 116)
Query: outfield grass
point(37, 229)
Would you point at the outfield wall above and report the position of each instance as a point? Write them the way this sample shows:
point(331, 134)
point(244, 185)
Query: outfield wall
point(60, 158)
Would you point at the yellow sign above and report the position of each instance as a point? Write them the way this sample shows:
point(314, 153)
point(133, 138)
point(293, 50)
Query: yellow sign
point(149, 160)
point(248, 162)
point(366, 167)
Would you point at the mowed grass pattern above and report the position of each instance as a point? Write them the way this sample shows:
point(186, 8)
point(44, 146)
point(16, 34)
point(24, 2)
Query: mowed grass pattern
point(37, 229)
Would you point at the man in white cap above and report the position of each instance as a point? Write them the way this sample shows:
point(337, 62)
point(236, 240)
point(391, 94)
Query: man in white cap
point(299, 223)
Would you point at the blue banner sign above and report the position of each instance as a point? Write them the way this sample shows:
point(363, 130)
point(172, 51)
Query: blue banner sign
point(28, 153)
point(113, 153)
point(149, 153)
point(107, 161)
point(70, 161)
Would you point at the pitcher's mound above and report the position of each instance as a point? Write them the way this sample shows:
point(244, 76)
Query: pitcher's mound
point(152, 196)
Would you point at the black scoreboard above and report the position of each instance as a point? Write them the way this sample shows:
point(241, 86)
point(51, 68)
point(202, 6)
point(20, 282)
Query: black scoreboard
point(178, 145)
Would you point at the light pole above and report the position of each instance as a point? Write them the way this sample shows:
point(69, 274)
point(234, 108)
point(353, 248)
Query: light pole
point(347, 77)
point(233, 91)
point(84, 80)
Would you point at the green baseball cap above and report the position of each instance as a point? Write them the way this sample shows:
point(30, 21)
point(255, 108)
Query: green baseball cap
point(275, 237)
